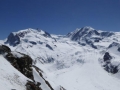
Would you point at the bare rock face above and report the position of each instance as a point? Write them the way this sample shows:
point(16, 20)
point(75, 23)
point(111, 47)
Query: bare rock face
point(108, 66)
point(21, 62)
point(13, 39)
point(33, 86)
point(4, 49)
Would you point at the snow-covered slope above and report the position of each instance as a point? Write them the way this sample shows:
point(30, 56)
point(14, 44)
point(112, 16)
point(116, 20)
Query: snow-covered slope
point(89, 76)
point(10, 78)
point(74, 61)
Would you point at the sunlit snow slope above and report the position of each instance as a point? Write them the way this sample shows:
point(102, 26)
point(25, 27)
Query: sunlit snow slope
point(10, 78)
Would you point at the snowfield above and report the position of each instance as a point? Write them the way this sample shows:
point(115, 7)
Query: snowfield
point(72, 61)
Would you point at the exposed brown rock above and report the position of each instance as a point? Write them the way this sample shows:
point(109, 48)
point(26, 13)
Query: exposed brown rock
point(33, 86)
point(23, 64)
point(4, 49)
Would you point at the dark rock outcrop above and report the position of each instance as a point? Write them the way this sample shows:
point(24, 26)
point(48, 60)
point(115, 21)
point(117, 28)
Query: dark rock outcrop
point(107, 34)
point(48, 46)
point(93, 46)
point(23, 63)
point(114, 44)
point(13, 39)
point(32, 42)
point(119, 49)
point(4, 49)
point(107, 57)
point(46, 34)
point(33, 86)
point(50, 60)
point(108, 66)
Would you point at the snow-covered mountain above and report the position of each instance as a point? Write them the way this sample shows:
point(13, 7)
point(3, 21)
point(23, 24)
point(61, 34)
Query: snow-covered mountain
point(15, 37)
point(88, 35)
point(85, 59)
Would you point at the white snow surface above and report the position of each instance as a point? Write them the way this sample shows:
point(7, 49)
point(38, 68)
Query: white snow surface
point(70, 65)
point(10, 78)
point(37, 78)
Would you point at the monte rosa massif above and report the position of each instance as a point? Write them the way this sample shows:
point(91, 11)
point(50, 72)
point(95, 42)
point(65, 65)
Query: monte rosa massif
point(85, 59)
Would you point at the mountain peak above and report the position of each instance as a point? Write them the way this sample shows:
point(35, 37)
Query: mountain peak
point(82, 32)
point(88, 35)
point(22, 33)
point(15, 37)
point(87, 27)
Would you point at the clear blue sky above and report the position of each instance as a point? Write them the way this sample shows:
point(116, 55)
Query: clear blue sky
point(58, 16)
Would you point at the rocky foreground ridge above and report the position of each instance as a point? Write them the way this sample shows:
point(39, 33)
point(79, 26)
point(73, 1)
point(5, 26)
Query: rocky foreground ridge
point(23, 63)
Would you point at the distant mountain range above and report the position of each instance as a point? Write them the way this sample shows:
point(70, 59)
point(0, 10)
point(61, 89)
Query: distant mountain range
point(85, 59)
